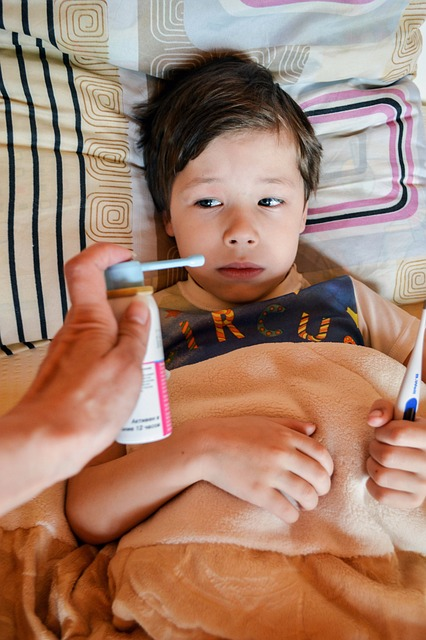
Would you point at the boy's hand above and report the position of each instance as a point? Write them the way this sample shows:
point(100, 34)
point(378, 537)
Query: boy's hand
point(397, 462)
point(265, 461)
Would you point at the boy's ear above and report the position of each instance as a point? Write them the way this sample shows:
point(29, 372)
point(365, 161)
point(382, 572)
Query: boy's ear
point(168, 224)
point(303, 218)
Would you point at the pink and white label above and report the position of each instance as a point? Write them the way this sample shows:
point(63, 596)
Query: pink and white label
point(163, 396)
point(148, 426)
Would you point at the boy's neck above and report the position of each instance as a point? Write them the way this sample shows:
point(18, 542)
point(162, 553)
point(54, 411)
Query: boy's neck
point(202, 299)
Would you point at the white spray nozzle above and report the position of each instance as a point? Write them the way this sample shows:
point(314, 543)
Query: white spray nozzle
point(130, 274)
point(191, 261)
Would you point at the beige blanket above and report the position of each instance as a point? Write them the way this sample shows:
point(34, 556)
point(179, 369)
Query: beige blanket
point(208, 565)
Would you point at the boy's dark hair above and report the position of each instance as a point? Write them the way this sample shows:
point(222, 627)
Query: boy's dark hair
point(225, 94)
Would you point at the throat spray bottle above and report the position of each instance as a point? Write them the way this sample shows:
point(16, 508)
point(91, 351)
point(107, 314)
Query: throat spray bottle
point(150, 420)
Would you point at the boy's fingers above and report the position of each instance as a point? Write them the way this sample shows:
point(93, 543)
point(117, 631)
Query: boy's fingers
point(308, 428)
point(381, 412)
point(392, 498)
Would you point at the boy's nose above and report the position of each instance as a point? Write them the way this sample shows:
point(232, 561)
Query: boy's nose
point(240, 230)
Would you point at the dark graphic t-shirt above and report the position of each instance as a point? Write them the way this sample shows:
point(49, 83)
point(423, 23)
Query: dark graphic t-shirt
point(322, 312)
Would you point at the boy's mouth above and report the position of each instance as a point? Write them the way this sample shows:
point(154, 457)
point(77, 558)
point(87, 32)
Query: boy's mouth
point(240, 270)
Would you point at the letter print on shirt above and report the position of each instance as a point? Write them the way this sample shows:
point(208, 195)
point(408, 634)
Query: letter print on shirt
point(325, 312)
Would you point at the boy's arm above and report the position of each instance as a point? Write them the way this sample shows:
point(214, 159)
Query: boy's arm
point(118, 491)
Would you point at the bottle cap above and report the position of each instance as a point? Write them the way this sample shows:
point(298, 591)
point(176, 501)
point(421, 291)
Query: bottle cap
point(124, 275)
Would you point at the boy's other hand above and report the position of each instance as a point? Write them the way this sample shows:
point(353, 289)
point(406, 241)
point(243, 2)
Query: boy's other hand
point(397, 461)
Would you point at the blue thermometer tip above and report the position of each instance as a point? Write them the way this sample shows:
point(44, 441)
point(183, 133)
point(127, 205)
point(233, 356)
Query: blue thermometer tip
point(410, 410)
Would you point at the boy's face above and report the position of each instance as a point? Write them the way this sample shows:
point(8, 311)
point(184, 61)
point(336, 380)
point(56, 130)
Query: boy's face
point(241, 204)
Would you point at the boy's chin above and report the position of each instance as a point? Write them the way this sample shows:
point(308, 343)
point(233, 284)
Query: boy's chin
point(233, 293)
point(244, 295)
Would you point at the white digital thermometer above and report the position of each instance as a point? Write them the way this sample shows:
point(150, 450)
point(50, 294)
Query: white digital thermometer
point(409, 393)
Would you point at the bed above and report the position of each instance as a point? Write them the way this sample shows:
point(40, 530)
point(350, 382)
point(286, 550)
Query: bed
point(208, 565)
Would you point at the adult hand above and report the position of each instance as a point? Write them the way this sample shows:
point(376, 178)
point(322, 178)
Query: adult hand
point(397, 462)
point(85, 389)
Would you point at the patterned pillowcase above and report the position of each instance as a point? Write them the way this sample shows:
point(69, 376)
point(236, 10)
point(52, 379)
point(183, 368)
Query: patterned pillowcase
point(304, 42)
point(72, 175)
point(368, 217)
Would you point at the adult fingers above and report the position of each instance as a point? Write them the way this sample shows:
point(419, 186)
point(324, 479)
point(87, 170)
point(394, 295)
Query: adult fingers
point(133, 331)
point(85, 272)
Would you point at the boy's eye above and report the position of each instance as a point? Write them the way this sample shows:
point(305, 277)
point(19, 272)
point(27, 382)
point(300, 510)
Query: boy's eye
point(208, 202)
point(270, 202)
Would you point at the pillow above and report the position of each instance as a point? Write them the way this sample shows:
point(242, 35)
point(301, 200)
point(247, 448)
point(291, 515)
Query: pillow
point(70, 74)
point(306, 41)
point(368, 217)
point(66, 178)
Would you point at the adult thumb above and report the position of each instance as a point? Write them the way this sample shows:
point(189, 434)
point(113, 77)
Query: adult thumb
point(133, 328)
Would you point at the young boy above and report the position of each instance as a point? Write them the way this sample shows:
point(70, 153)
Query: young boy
point(231, 161)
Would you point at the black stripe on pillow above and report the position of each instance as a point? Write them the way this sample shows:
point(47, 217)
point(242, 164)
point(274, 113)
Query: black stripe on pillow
point(25, 20)
point(59, 172)
point(79, 151)
point(36, 185)
point(51, 22)
point(11, 207)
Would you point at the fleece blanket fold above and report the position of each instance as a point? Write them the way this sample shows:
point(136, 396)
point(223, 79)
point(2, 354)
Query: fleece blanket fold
point(210, 566)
